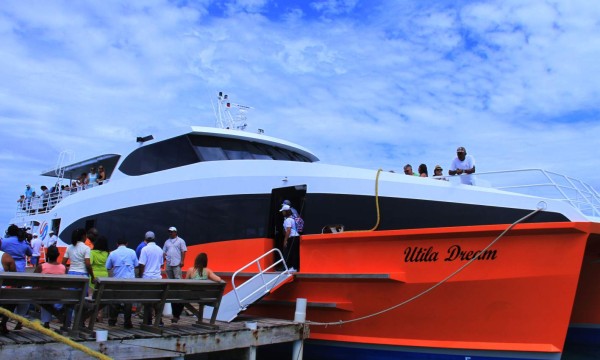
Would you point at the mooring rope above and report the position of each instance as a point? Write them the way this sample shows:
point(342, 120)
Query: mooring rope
point(37, 326)
point(541, 206)
point(376, 206)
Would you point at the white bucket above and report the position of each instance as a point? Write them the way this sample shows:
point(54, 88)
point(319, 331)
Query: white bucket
point(101, 335)
point(167, 310)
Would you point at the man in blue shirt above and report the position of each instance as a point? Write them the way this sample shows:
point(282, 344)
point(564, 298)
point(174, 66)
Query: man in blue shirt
point(14, 244)
point(149, 237)
point(122, 262)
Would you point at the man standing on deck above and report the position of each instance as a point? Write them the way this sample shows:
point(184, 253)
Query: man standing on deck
point(123, 262)
point(174, 250)
point(464, 165)
point(151, 260)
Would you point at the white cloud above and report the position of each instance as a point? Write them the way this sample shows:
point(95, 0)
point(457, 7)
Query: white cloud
point(361, 83)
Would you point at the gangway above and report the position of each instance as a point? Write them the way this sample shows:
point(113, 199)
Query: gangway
point(252, 290)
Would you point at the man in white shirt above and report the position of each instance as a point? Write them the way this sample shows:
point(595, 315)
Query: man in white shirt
point(36, 245)
point(463, 165)
point(151, 261)
point(174, 250)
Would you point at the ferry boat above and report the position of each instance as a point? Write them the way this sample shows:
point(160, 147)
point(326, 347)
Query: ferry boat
point(391, 265)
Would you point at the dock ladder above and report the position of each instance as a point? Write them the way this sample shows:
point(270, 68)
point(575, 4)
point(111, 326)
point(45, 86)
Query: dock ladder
point(262, 283)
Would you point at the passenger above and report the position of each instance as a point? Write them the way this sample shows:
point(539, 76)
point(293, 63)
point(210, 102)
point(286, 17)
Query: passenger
point(463, 164)
point(438, 172)
point(294, 211)
point(79, 255)
point(151, 261)
point(138, 252)
point(408, 170)
point(101, 175)
point(291, 241)
point(147, 238)
point(18, 248)
point(92, 177)
point(36, 245)
point(84, 180)
point(98, 256)
point(423, 171)
point(28, 196)
point(73, 187)
point(122, 262)
point(299, 221)
point(15, 245)
point(8, 265)
point(45, 197)
point(199, 271)
point(51, 266)
point(92, 235)
point(174, 250)
point(21, 202)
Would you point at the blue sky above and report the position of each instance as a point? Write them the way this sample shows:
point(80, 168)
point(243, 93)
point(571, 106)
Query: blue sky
point(374, 84)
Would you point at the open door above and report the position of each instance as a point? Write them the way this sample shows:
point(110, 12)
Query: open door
point(297, 196)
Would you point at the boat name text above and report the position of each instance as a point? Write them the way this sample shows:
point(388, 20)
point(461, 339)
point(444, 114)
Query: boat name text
point(453, 253)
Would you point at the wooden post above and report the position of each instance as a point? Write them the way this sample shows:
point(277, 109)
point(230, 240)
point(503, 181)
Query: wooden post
point(252, 349)
point(300, 317)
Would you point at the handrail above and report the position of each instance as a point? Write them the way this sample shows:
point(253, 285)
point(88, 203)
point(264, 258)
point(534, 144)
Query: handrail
point(265, 284)
point(573, 191)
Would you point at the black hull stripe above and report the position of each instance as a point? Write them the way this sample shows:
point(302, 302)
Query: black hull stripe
point(213, 219)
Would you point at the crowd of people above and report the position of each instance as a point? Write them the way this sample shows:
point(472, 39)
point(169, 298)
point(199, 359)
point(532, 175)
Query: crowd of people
point(89, 255)
point(30, 201)
point(462, 164)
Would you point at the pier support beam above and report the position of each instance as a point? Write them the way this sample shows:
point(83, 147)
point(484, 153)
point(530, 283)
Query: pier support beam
point(299, 317)
point(252, 349)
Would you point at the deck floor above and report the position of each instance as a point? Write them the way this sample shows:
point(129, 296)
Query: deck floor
point(176, 340)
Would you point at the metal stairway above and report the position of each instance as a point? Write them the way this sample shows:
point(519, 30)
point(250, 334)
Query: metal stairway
point(253, 289)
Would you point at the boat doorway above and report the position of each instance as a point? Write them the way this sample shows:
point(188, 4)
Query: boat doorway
point(297, 196)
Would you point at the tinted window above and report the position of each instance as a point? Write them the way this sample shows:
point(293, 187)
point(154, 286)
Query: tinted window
point(159, 156)
point(212, 148)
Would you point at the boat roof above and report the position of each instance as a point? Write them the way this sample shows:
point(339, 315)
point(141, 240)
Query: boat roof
point(109, 161)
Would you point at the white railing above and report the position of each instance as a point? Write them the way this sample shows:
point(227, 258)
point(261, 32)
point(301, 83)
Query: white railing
point(266, 283)
point(546, 184)
point(39, 205)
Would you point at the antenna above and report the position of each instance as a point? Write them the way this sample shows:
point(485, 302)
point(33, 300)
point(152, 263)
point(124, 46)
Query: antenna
point(225, 118)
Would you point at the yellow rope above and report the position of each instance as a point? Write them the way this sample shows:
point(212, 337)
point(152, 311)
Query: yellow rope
point(37, 326)
point(376, 205)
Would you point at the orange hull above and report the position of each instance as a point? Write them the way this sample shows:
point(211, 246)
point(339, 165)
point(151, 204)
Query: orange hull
point(517, 296)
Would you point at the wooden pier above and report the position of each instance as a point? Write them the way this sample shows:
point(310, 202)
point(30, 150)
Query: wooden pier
point(175, 342)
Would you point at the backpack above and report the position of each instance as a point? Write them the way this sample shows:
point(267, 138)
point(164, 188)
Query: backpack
point(299, 224)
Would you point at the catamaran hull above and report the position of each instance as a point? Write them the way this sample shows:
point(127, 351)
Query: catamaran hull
point(513, 301)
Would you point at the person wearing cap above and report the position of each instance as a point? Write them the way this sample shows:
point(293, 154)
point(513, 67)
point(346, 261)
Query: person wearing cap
point(463, 165)
point(28, 196)
point(51, 239)
point(147, 238)
point(122, 262)
point(294, 211)
point(438, 173)
point(291, 240)
point(36, 245)
point(151, 261)
point(174, 250)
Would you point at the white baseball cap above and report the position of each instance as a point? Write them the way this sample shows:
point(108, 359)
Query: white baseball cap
point(173, 228)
